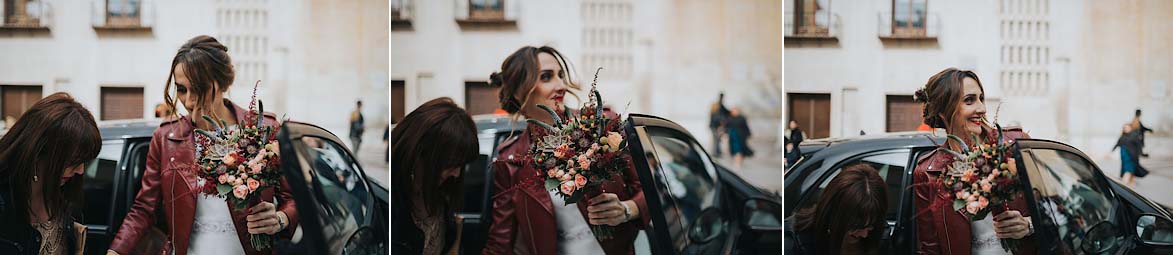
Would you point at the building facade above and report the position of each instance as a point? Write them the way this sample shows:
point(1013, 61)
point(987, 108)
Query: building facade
point(1072, 71)
point(660, 57)
point(314, 58)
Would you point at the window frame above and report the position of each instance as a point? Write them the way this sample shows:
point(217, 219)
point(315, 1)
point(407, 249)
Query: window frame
point(102, 92)
point(801, 18)
point(18, 16)
point(113, 20)
point(910, 30)
point(481, 13)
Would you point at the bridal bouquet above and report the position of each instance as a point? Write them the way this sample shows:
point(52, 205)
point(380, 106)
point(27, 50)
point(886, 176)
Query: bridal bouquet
point(983, 179)
point(581, 153)
point(237, 164)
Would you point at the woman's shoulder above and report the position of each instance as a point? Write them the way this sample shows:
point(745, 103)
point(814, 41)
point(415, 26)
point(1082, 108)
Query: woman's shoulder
point(173, 128)
point(933, 161)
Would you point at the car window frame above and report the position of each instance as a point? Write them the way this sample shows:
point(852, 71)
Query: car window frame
point(825, 174)
point(313, 237)
point(116, 181)
point(659, 239)
point(1047, 237)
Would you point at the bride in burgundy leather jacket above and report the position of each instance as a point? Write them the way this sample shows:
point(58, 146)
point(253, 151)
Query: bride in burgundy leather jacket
point(955, 101)
point(202, 72)
point(526, 219)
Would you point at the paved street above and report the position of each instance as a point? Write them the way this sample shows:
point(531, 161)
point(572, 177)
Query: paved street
point(763, 170)
point(373, 155)
point(1158, 185)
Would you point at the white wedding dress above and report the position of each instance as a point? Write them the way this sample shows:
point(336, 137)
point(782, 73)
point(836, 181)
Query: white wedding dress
point(213, 232)
point(574, 234)
point(985, 240)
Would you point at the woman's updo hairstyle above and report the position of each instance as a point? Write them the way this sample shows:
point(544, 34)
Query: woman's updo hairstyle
point(205, 62)
point(941, 94)
point(520, 71)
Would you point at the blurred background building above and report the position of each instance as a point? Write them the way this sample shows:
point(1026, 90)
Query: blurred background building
point(664, 57)
point(315, 58)
point(1072, 71)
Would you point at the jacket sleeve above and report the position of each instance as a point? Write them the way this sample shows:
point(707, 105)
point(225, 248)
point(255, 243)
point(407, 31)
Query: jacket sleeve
point(284, 194)
point(142, 212)
point(637, 195)
point(503, 226)
point(927, 239)
point(289, 207)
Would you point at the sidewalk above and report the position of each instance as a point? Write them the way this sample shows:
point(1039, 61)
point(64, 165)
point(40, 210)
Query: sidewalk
point(373, 156)
point(1157, 186)
point(763, 170)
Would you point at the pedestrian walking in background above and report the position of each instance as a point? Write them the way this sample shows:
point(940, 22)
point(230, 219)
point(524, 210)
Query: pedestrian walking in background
point(738, 128)
point(1141, 129)
point(717, 116)
point(793, 139)
point(1130, 145)
point(356, 127)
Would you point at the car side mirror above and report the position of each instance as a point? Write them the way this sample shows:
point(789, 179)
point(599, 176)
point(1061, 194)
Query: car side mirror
point(707, 226)
point(1155, 230)
point(1100, 238)
point(762, 214)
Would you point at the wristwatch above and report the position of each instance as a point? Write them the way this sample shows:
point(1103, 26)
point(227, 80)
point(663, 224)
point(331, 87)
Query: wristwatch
point(626, 212)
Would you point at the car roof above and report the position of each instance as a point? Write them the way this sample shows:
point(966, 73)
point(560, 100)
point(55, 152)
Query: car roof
point(494, 123)
point(127, 129)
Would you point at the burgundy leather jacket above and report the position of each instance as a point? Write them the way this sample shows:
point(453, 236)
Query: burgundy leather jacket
point(169, 184)
point(940, 229)
point(523, 217)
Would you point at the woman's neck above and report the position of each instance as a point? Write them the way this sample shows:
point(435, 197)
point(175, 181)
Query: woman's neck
point(38, 212)
point(219, 110)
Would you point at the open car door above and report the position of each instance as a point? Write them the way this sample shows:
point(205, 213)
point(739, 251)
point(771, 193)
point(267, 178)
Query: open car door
point(340, 211)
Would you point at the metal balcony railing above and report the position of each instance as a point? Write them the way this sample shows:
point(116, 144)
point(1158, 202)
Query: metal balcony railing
point(100, 16)
point(821, 24)
point(914, 26)
point(35, 14)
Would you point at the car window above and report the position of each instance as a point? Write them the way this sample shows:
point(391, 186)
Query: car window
point(99, 183)
point(1072, 197)
point(690, 181)
point(340, 195)
point(474, 175)
point(890, 165)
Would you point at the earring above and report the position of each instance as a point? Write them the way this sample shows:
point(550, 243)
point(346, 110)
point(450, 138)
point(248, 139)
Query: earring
point(35, 178)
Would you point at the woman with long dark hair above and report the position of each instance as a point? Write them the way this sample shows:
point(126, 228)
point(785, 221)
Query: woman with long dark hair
point(430, 147)
point(40, 160)
point(848, 218)
point(202, 72)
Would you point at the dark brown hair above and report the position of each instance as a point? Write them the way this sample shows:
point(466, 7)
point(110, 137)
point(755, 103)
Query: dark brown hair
point(855, 199)
point(942, 94)
point(520, 71)
point(56, 133)
point(436, 136)
point(206, 63)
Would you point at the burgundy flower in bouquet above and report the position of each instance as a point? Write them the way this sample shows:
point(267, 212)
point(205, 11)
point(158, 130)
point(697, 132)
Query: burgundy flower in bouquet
point(581, 153)
point(983, 179)
point(238, 164)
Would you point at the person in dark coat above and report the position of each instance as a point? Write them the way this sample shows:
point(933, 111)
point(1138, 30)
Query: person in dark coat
point(1130, 143)
point(793, 153)
point(431, 146)
point(1141, 129)
point(42, 162)
point(848, 218)
point(739, 134)
point(717, 116)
